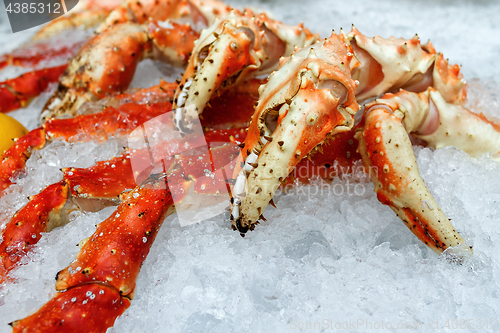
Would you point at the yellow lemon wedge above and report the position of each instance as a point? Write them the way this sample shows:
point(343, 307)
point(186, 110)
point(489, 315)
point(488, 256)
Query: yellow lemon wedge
point(9, 130)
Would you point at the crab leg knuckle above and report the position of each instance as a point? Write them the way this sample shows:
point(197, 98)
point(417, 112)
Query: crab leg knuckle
point(429, 117)
point(387, 65)
point(459, 127)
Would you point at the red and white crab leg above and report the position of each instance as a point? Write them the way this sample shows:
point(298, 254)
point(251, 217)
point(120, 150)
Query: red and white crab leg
point(84, 189)
point(111, 258)
point(42, 46)
point(17, 93)
point(107, 63)
point(99, 284)
point(38, 53)
point(230, 51)
point(41, 214)
point(385, 146)
point(308, 99)
point(124, 118)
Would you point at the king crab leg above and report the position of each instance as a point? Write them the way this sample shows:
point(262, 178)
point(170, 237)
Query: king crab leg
point(230, 51)
point(85, 189)
point(384, 144)
point(17, 93)
point(427, 116)
point(123, 118)
point(112, 256)
point(107, 264)
point(124, 46)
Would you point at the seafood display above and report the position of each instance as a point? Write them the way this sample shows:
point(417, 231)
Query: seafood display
point(259, 102)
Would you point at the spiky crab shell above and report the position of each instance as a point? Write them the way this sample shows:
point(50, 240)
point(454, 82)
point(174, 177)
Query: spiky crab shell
point(388, 64)
point(232, 50)
point(310, 98)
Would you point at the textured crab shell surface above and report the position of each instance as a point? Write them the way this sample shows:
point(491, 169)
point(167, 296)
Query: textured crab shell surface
point(309, 98)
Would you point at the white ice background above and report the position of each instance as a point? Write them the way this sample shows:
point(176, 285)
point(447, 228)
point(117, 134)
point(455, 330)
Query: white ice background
point(333, 259)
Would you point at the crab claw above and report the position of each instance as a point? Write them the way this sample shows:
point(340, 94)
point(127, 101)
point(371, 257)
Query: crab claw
point(310, 98)
point(231, 51)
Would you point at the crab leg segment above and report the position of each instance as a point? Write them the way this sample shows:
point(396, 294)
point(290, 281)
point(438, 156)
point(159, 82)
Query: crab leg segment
point(387, 152)
point(115, 252)
point(88, 189)
point(231, 51)
point(85, 308)
point(41, 214)
point(16, 93)
point(429, 117)
point(89, 76)
point(310, 98)
point(387, 65)
point(107, 63)
point(140, 11)
point(173, 45)
point(105, 180)
point(111, 257)
point(457, 126)
point(14, 159)
point(37, 54)
point(121, 119)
